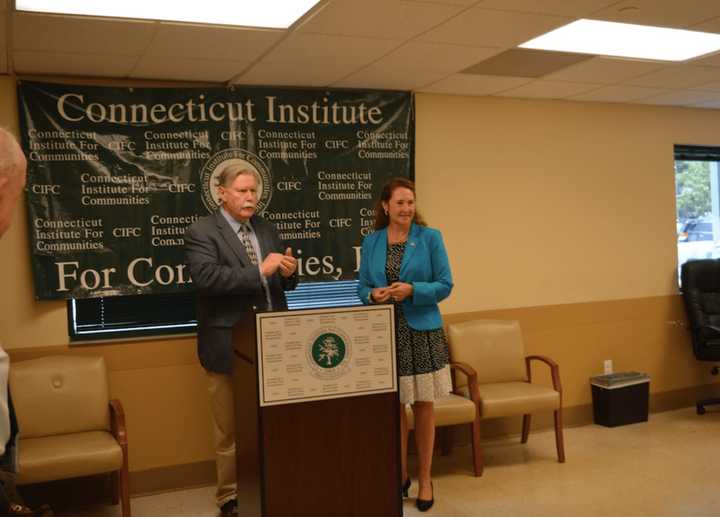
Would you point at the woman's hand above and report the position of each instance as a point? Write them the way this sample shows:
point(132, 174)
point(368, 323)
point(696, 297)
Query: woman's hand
point(380, 294)
point(398, 291)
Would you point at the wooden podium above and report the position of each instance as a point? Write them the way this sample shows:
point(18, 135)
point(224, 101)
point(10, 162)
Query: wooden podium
point(313, 455)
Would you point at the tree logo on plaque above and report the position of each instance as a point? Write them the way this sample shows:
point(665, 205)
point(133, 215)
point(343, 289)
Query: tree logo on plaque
point(329, 354)
point(234, 157)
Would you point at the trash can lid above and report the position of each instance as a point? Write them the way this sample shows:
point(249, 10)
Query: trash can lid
point(619, 379)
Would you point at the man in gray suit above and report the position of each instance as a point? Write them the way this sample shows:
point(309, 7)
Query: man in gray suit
point(237, 264)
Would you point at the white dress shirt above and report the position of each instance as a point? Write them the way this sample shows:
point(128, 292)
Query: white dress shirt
point(4, 410)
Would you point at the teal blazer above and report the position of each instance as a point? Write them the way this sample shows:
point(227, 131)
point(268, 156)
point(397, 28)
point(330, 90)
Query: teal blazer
point(424, 265)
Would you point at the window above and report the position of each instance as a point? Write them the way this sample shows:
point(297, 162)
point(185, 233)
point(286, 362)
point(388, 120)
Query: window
point(697, 190)
point(129, 316)
point(314, 295)
point(156, 314)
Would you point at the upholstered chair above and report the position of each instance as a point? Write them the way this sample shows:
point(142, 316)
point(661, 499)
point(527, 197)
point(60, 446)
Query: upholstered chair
point(68, 426)
point(701, 294)
point(456, 410)
point(502, 386)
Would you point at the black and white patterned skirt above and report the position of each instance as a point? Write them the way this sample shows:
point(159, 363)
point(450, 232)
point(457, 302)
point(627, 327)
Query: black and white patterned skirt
point(422, 355)
point(422, 362)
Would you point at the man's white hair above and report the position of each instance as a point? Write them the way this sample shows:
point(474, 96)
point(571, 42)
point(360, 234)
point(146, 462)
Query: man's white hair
point(231, 172)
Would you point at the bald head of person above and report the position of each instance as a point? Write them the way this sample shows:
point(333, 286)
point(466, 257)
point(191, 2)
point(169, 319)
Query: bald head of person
point(12, 177)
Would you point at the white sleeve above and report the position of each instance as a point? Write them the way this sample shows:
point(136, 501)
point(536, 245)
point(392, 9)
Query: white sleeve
point(4, 411)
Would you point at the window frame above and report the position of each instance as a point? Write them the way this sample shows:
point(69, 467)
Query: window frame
point(337, 293)
point(695, 153)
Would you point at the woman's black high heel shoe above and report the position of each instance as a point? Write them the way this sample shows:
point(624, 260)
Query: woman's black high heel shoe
point(425, 504)
point(405, 487)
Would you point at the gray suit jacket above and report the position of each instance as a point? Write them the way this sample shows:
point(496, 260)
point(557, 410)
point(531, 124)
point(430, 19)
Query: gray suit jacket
point(227, 283)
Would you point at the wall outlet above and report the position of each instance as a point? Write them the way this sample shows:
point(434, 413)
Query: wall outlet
point(607, 366)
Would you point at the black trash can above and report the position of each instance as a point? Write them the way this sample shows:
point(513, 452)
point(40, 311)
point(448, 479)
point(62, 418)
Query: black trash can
point(620, 398)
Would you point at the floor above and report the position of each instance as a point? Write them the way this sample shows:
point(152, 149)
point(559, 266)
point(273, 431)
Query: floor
point(667, 467)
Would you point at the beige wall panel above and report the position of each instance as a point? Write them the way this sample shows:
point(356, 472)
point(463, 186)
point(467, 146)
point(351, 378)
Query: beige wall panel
point(551, 202)
point(167, 414)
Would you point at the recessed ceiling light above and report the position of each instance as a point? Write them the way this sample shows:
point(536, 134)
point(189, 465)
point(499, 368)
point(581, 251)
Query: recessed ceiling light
point(627, 40)
point(275, 14)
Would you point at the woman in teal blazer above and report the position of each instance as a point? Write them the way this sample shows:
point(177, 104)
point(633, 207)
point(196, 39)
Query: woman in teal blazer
point(404, 262)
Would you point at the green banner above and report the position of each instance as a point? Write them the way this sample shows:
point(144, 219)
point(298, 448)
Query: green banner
point(115, 176)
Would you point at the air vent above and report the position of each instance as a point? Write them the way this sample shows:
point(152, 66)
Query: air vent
point(519, 62)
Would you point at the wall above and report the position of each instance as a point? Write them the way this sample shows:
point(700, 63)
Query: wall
point(562, 214)
point(558, 214)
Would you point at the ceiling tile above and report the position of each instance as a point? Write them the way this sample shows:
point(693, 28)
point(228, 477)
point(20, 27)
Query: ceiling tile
point(92, 65)
point(522, 62)
point(677, 76)
point(465, 3)
point(390, 78)
point(290, 74)
point(218, 43)
point(681, 98)
point(341, 52)
point(389, 19)
point(711, 25)
point(619, 94)
point(576, 8)
point(204, 70)
point(416, 64)
point(80, 35)
point(603, 70)
point(542, 89)
point(417, 55)
point(712, 60)
point(463, 84)
point(665, 13)
point(488, 28)
point(708, 87)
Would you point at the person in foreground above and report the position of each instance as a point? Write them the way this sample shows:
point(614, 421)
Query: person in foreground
point(404, 262)
point(238, 265)
point(13, 171)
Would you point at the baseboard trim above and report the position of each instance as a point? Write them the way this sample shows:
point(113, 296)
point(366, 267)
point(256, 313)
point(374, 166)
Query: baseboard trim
point(576, 416)
point(669, 400)
point(173, 477)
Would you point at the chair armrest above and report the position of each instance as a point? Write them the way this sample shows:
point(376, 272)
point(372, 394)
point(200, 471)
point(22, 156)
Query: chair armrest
point(554, 369)
point(471, 375)
point(713, 328)
point(117, 422)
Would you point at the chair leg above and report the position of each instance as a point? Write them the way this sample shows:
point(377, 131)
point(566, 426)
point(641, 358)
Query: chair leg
point(446, 440)
point(700, 406)
point(525, 428)
point(114, 488)
point(476, 447)
point(123, 484)
point(559, 442)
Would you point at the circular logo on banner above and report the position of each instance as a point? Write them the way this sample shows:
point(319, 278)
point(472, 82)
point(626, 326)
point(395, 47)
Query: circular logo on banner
point(225, 158)
point(329, 354)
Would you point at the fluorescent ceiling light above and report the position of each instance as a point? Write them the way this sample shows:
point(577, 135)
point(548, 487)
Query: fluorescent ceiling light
point(275, 14)
point(627, 40)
